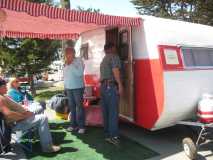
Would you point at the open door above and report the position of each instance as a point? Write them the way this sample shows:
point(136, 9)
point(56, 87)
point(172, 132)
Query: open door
point(112, 36)
point(126, 107)
point(121, 38)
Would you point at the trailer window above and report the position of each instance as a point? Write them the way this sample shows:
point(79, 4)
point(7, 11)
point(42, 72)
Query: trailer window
point(84, 51)
point(197, 57)
point(170, 57)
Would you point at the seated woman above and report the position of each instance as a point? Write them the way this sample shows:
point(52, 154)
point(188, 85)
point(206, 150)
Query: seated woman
point(21, 120)
point(15, 93)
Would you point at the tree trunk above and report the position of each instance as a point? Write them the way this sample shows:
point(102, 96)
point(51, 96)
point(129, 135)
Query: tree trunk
point(32, 86)
point(66, 43)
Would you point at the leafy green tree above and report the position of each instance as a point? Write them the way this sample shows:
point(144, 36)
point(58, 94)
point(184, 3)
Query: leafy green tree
point(27, 56)
point(88, 9)
point(198, 11)
point(49, 2)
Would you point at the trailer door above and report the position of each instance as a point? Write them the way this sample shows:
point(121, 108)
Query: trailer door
point(126, 107)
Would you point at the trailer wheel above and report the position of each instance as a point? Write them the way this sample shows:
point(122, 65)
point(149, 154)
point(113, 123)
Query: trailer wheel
point(190, 148)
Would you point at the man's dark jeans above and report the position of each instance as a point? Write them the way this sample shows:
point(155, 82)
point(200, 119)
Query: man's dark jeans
point(75, 103)
point(109, 103)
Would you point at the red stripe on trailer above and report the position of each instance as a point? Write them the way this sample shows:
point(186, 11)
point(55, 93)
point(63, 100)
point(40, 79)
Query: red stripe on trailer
point(148, 91)
point(205, 113)
point(206, 120)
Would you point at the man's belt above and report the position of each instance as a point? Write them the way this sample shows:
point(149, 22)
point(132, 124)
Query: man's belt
point(108, 82)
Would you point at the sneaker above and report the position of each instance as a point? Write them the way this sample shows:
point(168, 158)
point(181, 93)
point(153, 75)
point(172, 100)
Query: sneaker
point(81, 131)
point(71, 129)
point(53, 149)
point(113, 140)
point(108, 140)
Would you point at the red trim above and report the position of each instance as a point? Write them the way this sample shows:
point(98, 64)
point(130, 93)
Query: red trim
point(169, 67)
point(36, 9)
point(206, 120)
point(205, 113)
point(179, 67)
point(149, 92)
point(13, 34)
point(93, 80)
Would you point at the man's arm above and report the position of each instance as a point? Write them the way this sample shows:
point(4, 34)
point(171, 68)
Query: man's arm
point(116, 73)
point(116, 65)
point(13, 116)
point(12, 105)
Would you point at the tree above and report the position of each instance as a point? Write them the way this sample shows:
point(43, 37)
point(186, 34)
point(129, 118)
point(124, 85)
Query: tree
point(27, 56)
point(88, 9)
point(49, 2)
point(20, 56)
point(197, 11)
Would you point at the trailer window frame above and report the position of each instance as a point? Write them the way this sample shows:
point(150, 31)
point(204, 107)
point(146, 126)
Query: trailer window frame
point(176, 63)
point(84, 51)
point(196, 66)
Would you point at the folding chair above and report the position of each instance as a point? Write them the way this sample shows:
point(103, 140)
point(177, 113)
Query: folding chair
point(5, 135)
point(29, 137)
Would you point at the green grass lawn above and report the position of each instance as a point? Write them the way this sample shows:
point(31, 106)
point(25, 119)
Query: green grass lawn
point(90, 146)
point(46, 93)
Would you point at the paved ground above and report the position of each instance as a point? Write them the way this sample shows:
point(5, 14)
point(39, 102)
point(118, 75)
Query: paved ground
point(167, 142)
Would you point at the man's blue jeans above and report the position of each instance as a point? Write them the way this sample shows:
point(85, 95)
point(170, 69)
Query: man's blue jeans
point(75, 103)
point(39, 121)
point(109, 103)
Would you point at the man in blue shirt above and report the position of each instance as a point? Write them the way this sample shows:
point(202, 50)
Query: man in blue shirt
point(74, 87)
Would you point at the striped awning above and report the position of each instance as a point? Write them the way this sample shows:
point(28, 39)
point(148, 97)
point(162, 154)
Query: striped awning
point(32, 20)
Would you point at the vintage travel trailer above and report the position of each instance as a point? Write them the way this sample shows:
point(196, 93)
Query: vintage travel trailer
point(166, 67)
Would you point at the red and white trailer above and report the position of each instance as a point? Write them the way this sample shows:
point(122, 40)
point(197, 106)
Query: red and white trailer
point(166, 66)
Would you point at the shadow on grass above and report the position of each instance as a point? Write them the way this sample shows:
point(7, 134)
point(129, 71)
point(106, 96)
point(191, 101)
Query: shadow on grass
point(90, 146)
point(58, 139)
point(126, 150)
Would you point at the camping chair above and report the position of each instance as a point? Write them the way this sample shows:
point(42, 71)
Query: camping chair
point(28, 136)
point(5, 135)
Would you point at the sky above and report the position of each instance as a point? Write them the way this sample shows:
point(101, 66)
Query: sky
point(112, 7)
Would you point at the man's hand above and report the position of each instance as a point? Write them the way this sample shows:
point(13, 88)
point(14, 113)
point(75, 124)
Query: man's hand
point(24, 115)
point(28, 114)
point(120, 89)
point(116, 72)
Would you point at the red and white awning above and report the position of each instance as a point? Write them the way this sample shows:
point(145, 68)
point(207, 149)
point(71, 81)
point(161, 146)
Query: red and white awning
point(22, 19)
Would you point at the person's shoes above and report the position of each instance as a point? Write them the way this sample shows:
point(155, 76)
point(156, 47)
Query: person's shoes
point(81, 131)
point(71, 129)
point(113, 140)
point(53, 149)
point(108, 140)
